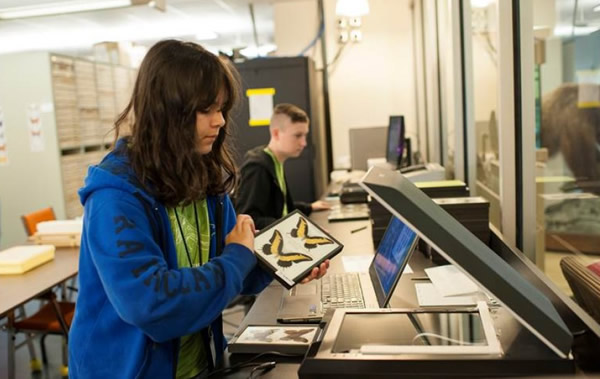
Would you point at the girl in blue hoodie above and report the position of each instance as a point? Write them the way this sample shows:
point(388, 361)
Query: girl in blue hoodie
point(162, 251)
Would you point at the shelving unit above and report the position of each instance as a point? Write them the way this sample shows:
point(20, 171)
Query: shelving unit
point(88, 97)
point(78, 101)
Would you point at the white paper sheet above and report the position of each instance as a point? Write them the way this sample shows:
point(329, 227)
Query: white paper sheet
point(450, 281)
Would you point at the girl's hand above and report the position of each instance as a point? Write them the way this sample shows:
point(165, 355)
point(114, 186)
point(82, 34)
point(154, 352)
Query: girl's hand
point(243, 232)
point(317, 273)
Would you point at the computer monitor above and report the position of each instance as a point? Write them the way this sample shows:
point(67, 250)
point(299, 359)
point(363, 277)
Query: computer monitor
point(395, 141)
point(462, 248)
point(391, 257)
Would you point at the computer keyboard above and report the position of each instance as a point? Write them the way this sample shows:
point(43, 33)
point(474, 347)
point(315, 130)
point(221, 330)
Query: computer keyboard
point(341, 290)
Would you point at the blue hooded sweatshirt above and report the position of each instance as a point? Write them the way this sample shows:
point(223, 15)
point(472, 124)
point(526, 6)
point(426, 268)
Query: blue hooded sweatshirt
point(134, 301)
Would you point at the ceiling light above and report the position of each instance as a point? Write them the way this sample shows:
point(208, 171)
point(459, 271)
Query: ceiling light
point(70, 37)
point(480, 3)
point(62, 7)
point(205, 35)
point(597, 8)
point(352, 8)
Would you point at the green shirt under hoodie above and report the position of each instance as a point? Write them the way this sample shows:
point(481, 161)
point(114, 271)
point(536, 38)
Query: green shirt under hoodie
point(192, 354)
point(280, 178)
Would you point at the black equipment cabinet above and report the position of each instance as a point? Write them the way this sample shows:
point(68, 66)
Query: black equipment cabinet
point(295, 81)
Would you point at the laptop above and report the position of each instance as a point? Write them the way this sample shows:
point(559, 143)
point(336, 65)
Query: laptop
point(373, 289)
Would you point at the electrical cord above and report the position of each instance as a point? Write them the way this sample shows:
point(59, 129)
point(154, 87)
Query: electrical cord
point(262, 369)
point(314, 41)
point(250, 362)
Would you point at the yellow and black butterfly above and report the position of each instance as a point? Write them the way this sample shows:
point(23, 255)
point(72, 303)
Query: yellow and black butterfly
point(275, 247)
point(301, 231)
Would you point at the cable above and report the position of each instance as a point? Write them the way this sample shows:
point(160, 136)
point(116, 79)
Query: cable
point(262, 368)
point(314, 41)
point(237, 366)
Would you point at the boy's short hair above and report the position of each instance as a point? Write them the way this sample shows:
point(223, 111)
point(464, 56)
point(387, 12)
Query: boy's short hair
point(293, 112)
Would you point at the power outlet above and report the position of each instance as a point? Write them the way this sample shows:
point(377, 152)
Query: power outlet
point(342, 23)
point(356, 35)
point(355, 22)
point(343, 36)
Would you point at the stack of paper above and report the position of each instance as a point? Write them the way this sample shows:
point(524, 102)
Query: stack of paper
point(59, 233)
point(20, 259)
point(60, 227)
point(448, 287)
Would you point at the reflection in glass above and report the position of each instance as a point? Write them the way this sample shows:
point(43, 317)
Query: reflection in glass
point(567, 74)
point(427, 328)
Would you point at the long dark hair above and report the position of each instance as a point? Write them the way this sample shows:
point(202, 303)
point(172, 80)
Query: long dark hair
point(177, 79)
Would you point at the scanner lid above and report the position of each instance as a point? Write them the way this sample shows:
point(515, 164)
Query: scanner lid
point(462, 248)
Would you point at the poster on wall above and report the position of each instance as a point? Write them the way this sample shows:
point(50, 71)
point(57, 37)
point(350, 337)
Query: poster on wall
point(588, 89)
point(34, 121)
point(260, 102)
point(3, 147)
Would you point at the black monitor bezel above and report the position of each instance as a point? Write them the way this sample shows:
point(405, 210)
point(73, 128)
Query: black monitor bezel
point(400, 143)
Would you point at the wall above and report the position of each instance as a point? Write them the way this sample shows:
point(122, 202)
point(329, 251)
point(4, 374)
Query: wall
point(552, 70)
point(31, 180)
point(372, 79)
point(485, 68)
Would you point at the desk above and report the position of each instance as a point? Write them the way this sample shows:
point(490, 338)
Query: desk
point(523, 352)
point(19, 289)
point(16, 290)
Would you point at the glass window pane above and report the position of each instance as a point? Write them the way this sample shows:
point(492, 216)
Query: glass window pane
point(485, 76)
point(567, 79)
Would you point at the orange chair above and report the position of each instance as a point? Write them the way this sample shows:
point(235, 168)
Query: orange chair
point(54, 317)
point(31, 220)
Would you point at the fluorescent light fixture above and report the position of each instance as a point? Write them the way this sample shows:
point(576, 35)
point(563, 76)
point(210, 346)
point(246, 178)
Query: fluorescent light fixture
point(62, 7)
point(253, 52)
point(206, 35)
point(568, 30)
point(352, 8)
point(480, 3)
point(70, 36)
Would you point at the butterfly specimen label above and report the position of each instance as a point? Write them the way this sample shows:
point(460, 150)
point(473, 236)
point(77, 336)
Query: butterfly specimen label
point(292, 246)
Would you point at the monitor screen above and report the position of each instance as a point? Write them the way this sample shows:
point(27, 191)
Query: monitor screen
point(395, 140)
point(391, 257)
point(462, 248)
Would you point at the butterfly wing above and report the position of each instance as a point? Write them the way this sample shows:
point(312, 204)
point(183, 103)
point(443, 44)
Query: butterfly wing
point(286, 259)
point(296, 335)
point(275, 244)
point(301, 228)
point(312, 242)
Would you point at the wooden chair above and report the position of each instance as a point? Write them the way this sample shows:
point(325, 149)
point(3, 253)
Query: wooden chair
point(31, 220)
point(584, 283)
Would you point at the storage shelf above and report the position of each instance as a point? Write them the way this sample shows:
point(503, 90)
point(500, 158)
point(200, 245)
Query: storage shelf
point(88, 97)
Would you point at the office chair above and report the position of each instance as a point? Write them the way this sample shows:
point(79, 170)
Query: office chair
point(584, 283)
